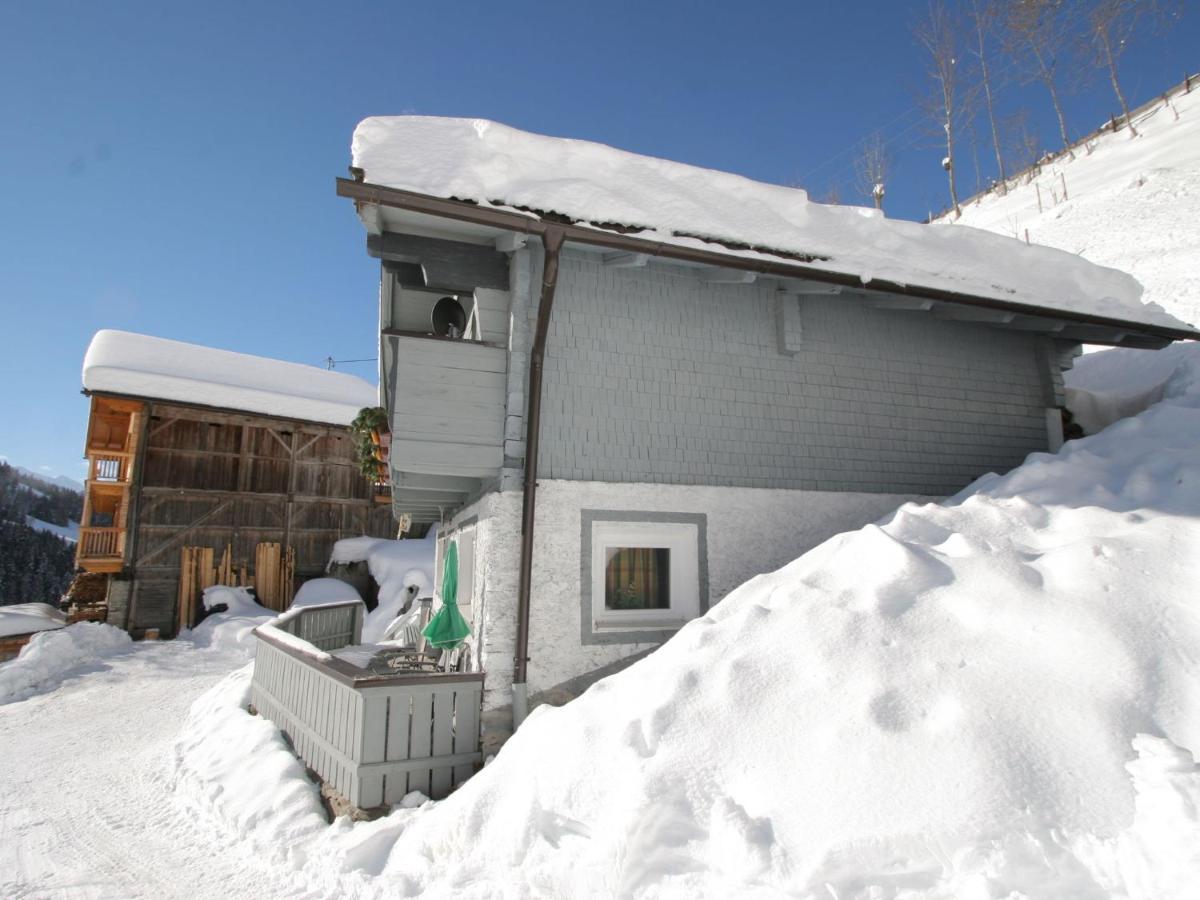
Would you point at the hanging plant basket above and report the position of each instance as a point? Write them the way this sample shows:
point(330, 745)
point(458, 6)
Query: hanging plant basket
point(372, 439)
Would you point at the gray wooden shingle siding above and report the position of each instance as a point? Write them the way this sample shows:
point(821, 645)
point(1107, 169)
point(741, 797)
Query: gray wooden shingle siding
point(654, 375)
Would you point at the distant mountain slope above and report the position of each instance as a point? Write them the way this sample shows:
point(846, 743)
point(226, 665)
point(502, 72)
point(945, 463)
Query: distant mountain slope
point(38, 526)
point(1131, 203)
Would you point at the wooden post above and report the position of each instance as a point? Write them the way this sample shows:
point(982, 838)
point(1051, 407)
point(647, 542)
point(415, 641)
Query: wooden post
point(1037, 187)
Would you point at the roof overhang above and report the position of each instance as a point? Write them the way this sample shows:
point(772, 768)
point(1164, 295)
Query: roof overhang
point(461, 220)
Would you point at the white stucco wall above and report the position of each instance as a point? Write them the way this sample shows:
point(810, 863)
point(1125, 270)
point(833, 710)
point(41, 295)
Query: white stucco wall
point(749, 531)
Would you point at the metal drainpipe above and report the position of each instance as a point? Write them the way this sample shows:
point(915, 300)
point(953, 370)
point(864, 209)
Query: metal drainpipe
point(552, 240)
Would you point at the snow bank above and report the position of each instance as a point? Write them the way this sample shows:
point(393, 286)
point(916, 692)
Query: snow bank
point(994, 697)
point(1127, 204)
point(120, 362)
point(237, 769)
point(26, 618)
point(232, 628)
point(53, 656)
point(241, 769)
point(1115, 384)
point(493, 164)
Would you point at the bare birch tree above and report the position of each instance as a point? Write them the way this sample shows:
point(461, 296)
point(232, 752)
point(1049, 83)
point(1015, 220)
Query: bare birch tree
point(872, 167)
point(984, 19)
point(1036, 38)
point(1112, 26)
point(937, 33)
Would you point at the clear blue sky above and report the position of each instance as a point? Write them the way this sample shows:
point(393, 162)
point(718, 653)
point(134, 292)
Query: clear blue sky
point(169, 168)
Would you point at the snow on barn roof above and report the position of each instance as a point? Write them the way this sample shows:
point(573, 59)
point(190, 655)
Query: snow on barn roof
point(120, 362)
point(490, 164)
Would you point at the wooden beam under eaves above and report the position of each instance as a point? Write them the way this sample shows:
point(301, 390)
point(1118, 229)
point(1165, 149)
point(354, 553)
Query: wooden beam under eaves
point(902, 304)
point(510, 242)
point(809, 288)
point(1036, 323)
point(1093, 334)
point(975, 314)
point(371, 215)
point(626, 260)
point(719, 275)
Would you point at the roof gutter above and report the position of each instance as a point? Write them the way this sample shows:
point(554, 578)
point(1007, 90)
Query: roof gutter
point(510, 220)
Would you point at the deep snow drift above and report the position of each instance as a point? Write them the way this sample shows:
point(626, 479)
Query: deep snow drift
point(994, 697)
point(52, 656)
point(1131, 203)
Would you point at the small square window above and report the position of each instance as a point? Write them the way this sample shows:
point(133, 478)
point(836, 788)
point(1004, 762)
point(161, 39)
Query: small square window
point(642, 576)
point(637, 578)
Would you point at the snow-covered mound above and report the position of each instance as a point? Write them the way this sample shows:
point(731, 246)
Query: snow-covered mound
point(139, 365)
point(1115, 384)
point(52, 656)
point(231, 626)
point(677, 204)
point(402, 569)
point(26, 618)
point(997, 696)
point(1131, 203)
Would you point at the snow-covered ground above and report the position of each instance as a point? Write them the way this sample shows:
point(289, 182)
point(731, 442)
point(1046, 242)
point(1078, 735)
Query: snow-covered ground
point(88, 801)
point(993, 698)
point(1131, 203)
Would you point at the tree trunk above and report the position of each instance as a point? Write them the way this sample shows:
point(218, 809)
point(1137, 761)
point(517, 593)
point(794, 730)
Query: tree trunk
point(1047, 78)
point(950, 168)
point(1112, 74)
point(987, 94)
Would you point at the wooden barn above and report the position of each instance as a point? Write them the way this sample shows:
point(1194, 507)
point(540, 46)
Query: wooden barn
point(212, 467)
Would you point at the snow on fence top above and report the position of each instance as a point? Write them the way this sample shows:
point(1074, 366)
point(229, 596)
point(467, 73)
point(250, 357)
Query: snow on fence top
point(121, 362)
point(491, 164)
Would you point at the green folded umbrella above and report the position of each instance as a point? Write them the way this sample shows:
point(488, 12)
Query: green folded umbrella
point(447, 629)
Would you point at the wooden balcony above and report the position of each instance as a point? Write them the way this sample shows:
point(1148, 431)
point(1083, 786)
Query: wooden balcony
point(100, 549)
point(111, 448)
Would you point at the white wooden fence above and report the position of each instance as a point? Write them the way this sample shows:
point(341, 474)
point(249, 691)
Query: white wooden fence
point(373, 738)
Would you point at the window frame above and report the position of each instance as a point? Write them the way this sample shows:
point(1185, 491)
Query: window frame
point(684, 534)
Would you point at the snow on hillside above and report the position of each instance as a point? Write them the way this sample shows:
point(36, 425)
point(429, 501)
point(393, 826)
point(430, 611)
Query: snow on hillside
point(995, 697)
point(69, 532)
point(1131, 203)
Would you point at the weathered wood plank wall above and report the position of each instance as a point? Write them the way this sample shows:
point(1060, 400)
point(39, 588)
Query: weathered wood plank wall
point(210, 478)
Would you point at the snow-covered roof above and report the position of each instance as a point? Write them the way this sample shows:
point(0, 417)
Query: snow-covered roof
point(26, 618)
point(120, 362)
point(592, 184)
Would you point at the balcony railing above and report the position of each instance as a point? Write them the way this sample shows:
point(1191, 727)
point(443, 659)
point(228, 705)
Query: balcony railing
point(109, 467)
point(101, 543)
point(373, 737)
